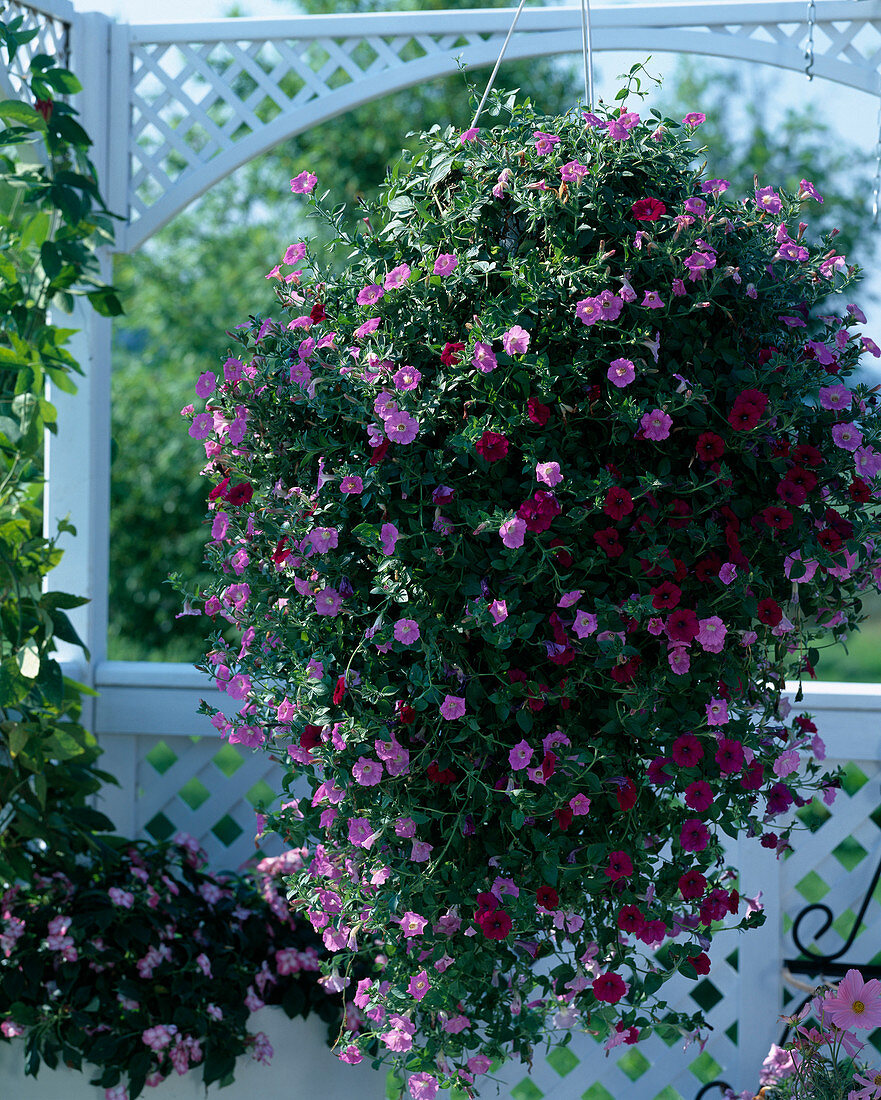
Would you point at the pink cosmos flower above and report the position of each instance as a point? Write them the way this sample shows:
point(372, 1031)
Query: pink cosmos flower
point(304, 184)
point(847, 436)
point(445, 264)
point(452, 707)
point(407, 631)
point(516, 340)
point(520, 756)
point(548, 473)
point(351, 483)
point(621, 372)
point(369, 294)
point(401, 427)
point(483, 357)
point(397, 277)
point(855, 1003)
point(656, 425)
point(513, 532)
point(328, 602)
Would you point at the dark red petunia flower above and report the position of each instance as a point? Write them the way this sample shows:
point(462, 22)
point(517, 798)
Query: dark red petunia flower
point(537, 413)
point(405, 714)
point(609, 988)
point(487, 901)
point(630, 919)
point(692, 884)
point(619, 503)
point(687, 751)
point(626, 794)
point(239, 494)
point(626, 672)
point(318, 312)
point(495, 924)
point(859, 491)
point(791, 494)
point(700, 962)
point(607, 540)
point(450, 355)
point(648, 210)
point(620, 866)
point(310, 737)
point(709, 447)
point(492, 446)
point(340, 690)
point(682, 625)
point(769, 612)
point(443, 777)
point(561, 553)
point(548, 898)
point(803, 478)
point(665, 596)
point(564, 817)
point(777, 517)
point(219, 491)
point(806, 455)
point(377, 454)
point(830, 540)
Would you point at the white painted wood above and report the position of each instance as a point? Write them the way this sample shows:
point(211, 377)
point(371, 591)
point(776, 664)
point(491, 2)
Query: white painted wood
point(302, 1069)
point(55, 9)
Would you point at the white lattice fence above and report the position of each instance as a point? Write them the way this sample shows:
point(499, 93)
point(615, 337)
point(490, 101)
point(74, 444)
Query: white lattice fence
point(53, 38)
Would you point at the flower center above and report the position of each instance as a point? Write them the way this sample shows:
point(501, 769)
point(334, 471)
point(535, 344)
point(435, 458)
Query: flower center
point(858, 1006)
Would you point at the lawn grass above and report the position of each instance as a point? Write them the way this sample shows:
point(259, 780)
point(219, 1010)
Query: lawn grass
point(861, 663)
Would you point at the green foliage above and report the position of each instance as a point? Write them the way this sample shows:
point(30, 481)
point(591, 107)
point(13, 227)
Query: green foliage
point(51, 220)
point(141, 963)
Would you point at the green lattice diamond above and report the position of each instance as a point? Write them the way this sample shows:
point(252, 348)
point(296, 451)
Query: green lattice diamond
point(159, 827)
point(597, 1092)
point(227, 830)
point(194, 793)
point(731, 1032)
point(228, 759)
point(875, 816)
point(812, 888)
point(853, 779)
point(161, 757)
point(669, 1093)
point(634, 1064)
point(813, 815)
point(849, 853)
point(562, 1060)
point(705, 1068)
point(733, 959)
point(261, 794)
point(526, 1090)
point(875, 1039)
point(706, 995)
point(845, 922)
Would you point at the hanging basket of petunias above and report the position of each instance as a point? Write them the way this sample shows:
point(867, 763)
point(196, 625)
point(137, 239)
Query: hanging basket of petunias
point(523, 518)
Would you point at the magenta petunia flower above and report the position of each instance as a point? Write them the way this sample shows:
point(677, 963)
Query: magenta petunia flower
point(656, 425)
point(855, 1003)
point(412, 924)
point(445, 264)
point(483, 357)
point(588, 311)
point(694, 118)
point(711, 635)
point(304, 184)
point(361, 833)
point(768, 200)
point(695, 836)
point(202, 426)
point(401, 427)
point(452, 707)
point(407, 378)
point(294, 253)
point(369, 294)
point(397, 277)
point(367, 772)
point(388, 535)
point(652, 300)
point(579, 804)
point(407, 631)
point(364, 330)
point(835, 397)
point(807, 190)
point(714, 187)
point(469, 135)
point(621, 372)
point(423, 1086)
point(513, 532)
point(548, 473)
point(520, 756)
point(351, 483)
point(585, 624)
point(328, 602)
point(717, 712)
point(206, 384)
point(499, 611)
point(847, 436)
point(516, 340)
point(544, 143)
point(573, 172)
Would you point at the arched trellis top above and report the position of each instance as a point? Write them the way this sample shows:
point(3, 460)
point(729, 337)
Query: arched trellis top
point(191, 102)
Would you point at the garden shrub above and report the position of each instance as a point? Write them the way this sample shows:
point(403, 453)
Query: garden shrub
point(524, 518)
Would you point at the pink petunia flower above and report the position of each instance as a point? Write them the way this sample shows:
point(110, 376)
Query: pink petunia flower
point(520, 756)
point(469, 135)
point(548, 473)
point(656, 425)
point(445, 264)
point(516, 340)
point(407, 631)
point(369, 294)
point(717, 712)
point(452, 707)
point(419, 985)
point(304, 184)
point(847, 436)
point(407, 378)
point(621, 372)
point(483, 357)
point(397, 277)
point(513, 532)
point(401, 427)
point(351, 483)
point(328, 602)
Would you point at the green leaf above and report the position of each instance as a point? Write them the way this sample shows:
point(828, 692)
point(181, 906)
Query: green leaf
point(28, 658)
point(13, 110)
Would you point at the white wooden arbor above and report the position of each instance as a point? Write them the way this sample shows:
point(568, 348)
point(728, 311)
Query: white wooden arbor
point(173, 109)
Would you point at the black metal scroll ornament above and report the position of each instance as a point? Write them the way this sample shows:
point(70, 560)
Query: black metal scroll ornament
point(819, 966)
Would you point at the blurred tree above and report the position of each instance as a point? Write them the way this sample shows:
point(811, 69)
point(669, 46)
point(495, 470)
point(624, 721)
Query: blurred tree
point(204, 273)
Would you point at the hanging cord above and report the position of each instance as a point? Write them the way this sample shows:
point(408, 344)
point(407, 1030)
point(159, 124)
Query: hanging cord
point(809, 48)
point(876, 189)
point(492, 75)
point(587, 50)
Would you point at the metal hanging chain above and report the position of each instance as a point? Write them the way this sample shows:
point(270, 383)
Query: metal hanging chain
point(492, 75)
point(809, 48)
point(587, 51)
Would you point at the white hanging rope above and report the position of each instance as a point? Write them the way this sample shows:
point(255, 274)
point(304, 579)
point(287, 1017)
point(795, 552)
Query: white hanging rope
point(587, 52)
point(492, 75)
